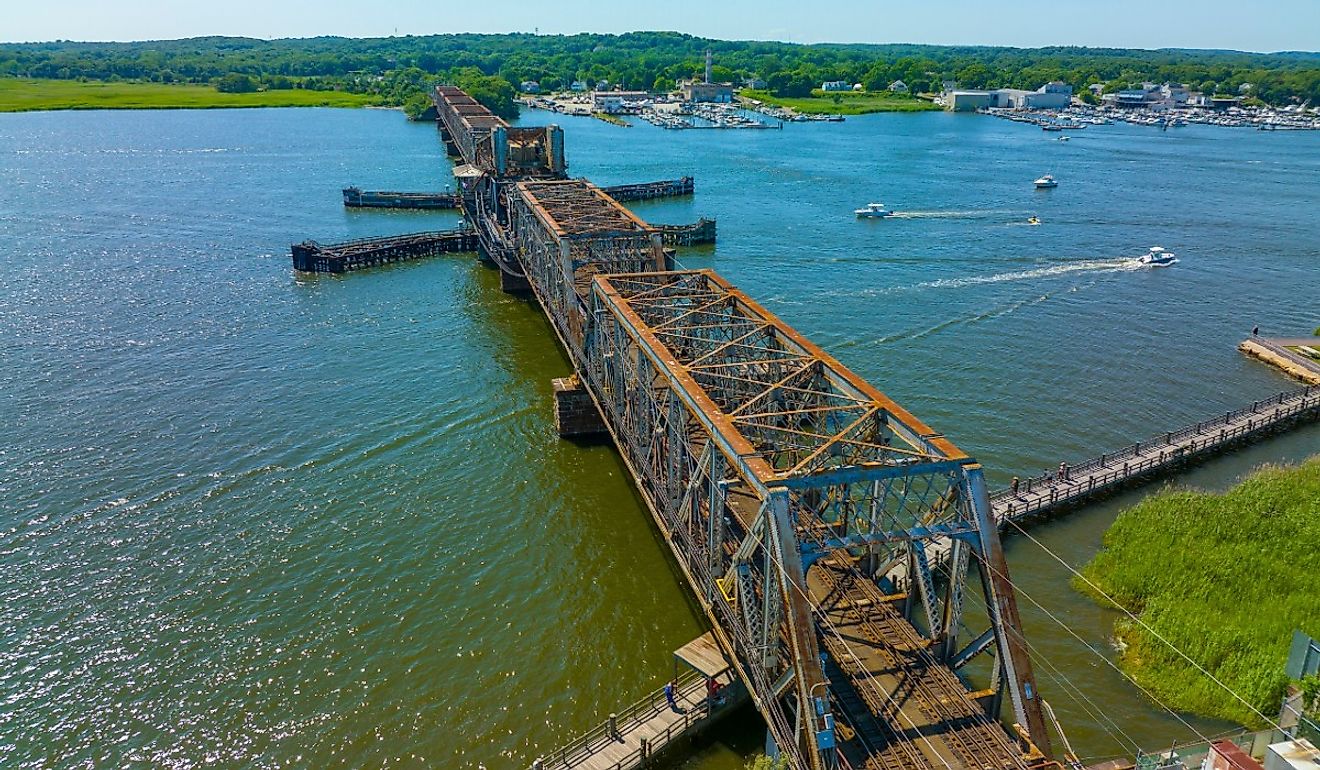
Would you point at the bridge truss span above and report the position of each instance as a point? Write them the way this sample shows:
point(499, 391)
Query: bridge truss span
point(791, 492)
point(763, 460)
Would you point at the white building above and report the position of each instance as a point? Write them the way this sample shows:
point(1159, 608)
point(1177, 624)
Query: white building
point(608, 102)
point(898, 87)
point(836, 85)
point(579, 86)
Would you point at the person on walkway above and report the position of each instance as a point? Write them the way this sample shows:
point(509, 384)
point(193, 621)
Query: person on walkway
point(670, 691)
point(1063, 471)
point(1014, 486)
point(713, 688)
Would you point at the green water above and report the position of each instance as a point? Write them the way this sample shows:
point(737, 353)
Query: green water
point(250, 519)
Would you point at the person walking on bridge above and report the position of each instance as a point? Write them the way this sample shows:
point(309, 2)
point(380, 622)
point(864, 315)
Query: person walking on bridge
point(670, 691)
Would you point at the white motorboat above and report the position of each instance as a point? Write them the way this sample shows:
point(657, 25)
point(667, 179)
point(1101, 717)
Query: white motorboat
point(1046, 182)
point(873, 211)
point(1157, 257)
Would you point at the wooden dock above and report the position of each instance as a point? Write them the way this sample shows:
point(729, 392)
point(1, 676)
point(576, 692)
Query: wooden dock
point(700, 232)
point(668, 188)
point(649, 727)
point(1054, 490)
point(356, 197)
point(313, 257)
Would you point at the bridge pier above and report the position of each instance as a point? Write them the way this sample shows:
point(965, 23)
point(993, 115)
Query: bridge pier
point(514, 284)
point(575, 413)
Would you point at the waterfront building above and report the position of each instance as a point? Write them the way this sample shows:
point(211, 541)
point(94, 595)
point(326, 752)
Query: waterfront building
point(1051, 96)
point(614, 102)
point(579, 86)
point(608, 102)
point(697, 91)
point(898, 87)
point(968, 101)
point(836, 85)
point(755, 83)
point(530, 87)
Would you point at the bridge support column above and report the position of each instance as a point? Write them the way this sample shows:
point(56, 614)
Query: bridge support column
point(575, 412)
point(514, 284)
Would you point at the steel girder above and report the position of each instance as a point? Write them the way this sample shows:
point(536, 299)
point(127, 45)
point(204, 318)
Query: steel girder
point(759, 454)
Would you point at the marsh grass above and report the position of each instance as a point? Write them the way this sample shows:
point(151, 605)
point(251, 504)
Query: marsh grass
point(1225, 578)
point(21, 95)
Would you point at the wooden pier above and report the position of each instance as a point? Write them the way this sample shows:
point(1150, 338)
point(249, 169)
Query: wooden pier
point(1069, 485)
point(668, 188)
point(313, 257)
point(633, 737)
point(700, 232)
point(357, 198)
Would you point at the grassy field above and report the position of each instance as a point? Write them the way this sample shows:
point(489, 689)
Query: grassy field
point(1226, 579)
point(849, 102)
point(22, 95)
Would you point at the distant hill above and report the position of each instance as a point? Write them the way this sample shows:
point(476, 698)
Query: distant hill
point(396, 68)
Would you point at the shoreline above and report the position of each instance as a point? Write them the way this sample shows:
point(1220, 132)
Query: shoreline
point(43, 95)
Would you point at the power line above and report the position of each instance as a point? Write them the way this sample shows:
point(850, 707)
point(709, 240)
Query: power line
point(1147, 627)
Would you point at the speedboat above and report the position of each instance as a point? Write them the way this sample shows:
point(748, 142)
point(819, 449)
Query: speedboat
point(1157, 257)
point(1033, 221)
point(1063, 138)
point(873, 211)
point(1046, 182)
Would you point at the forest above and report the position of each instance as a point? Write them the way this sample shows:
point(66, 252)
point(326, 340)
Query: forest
point(395, 70)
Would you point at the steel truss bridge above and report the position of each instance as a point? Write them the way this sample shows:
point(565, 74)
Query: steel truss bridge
point(791, 491)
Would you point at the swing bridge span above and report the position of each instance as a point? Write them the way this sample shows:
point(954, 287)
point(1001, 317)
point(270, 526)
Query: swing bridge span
point(795, 497)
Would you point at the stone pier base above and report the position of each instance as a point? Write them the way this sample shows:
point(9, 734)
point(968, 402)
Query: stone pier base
point(575, 412)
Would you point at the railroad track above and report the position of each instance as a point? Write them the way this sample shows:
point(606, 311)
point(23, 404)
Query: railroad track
point(858, 606)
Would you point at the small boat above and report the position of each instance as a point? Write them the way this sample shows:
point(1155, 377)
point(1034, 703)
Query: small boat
point(1051, 127)
point(1063, 138)
point(873, 211)
point(1157, 257)
point(1033, 221)
point(1046, 182)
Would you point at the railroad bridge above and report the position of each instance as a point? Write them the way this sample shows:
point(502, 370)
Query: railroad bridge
point(789, 490)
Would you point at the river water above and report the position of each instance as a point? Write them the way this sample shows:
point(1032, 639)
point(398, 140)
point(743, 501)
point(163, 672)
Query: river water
point(253, 519)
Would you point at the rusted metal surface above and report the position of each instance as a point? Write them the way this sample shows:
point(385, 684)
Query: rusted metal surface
point(759, 456)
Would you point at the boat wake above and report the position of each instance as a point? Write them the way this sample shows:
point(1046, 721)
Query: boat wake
point(970, 214)
point(986, 315)
point(1081, 266)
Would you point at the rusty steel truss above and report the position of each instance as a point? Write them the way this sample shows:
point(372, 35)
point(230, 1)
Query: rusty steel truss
point(758, 455)
point(764, 462)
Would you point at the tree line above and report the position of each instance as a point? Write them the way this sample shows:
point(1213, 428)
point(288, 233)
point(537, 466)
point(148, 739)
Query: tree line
point(398, 69)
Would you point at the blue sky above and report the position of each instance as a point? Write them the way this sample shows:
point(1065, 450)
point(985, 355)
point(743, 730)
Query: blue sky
point(1266, 25)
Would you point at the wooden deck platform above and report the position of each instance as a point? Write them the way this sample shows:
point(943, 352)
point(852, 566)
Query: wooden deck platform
point(313, 257)
point(1042, 495)
point(646, 729)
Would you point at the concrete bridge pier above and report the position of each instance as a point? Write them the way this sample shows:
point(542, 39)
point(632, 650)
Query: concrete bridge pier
point(576, 414)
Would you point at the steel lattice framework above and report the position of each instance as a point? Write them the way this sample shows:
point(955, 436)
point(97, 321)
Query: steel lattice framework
point(760, 454)
point(765, 463)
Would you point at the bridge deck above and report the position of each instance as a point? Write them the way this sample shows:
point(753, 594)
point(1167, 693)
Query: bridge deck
point(746, 441)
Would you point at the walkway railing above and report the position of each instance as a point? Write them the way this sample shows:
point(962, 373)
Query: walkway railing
point(1051, 489)
point(587, 745)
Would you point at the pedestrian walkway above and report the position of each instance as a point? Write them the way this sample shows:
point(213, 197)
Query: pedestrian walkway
point(649, 726)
